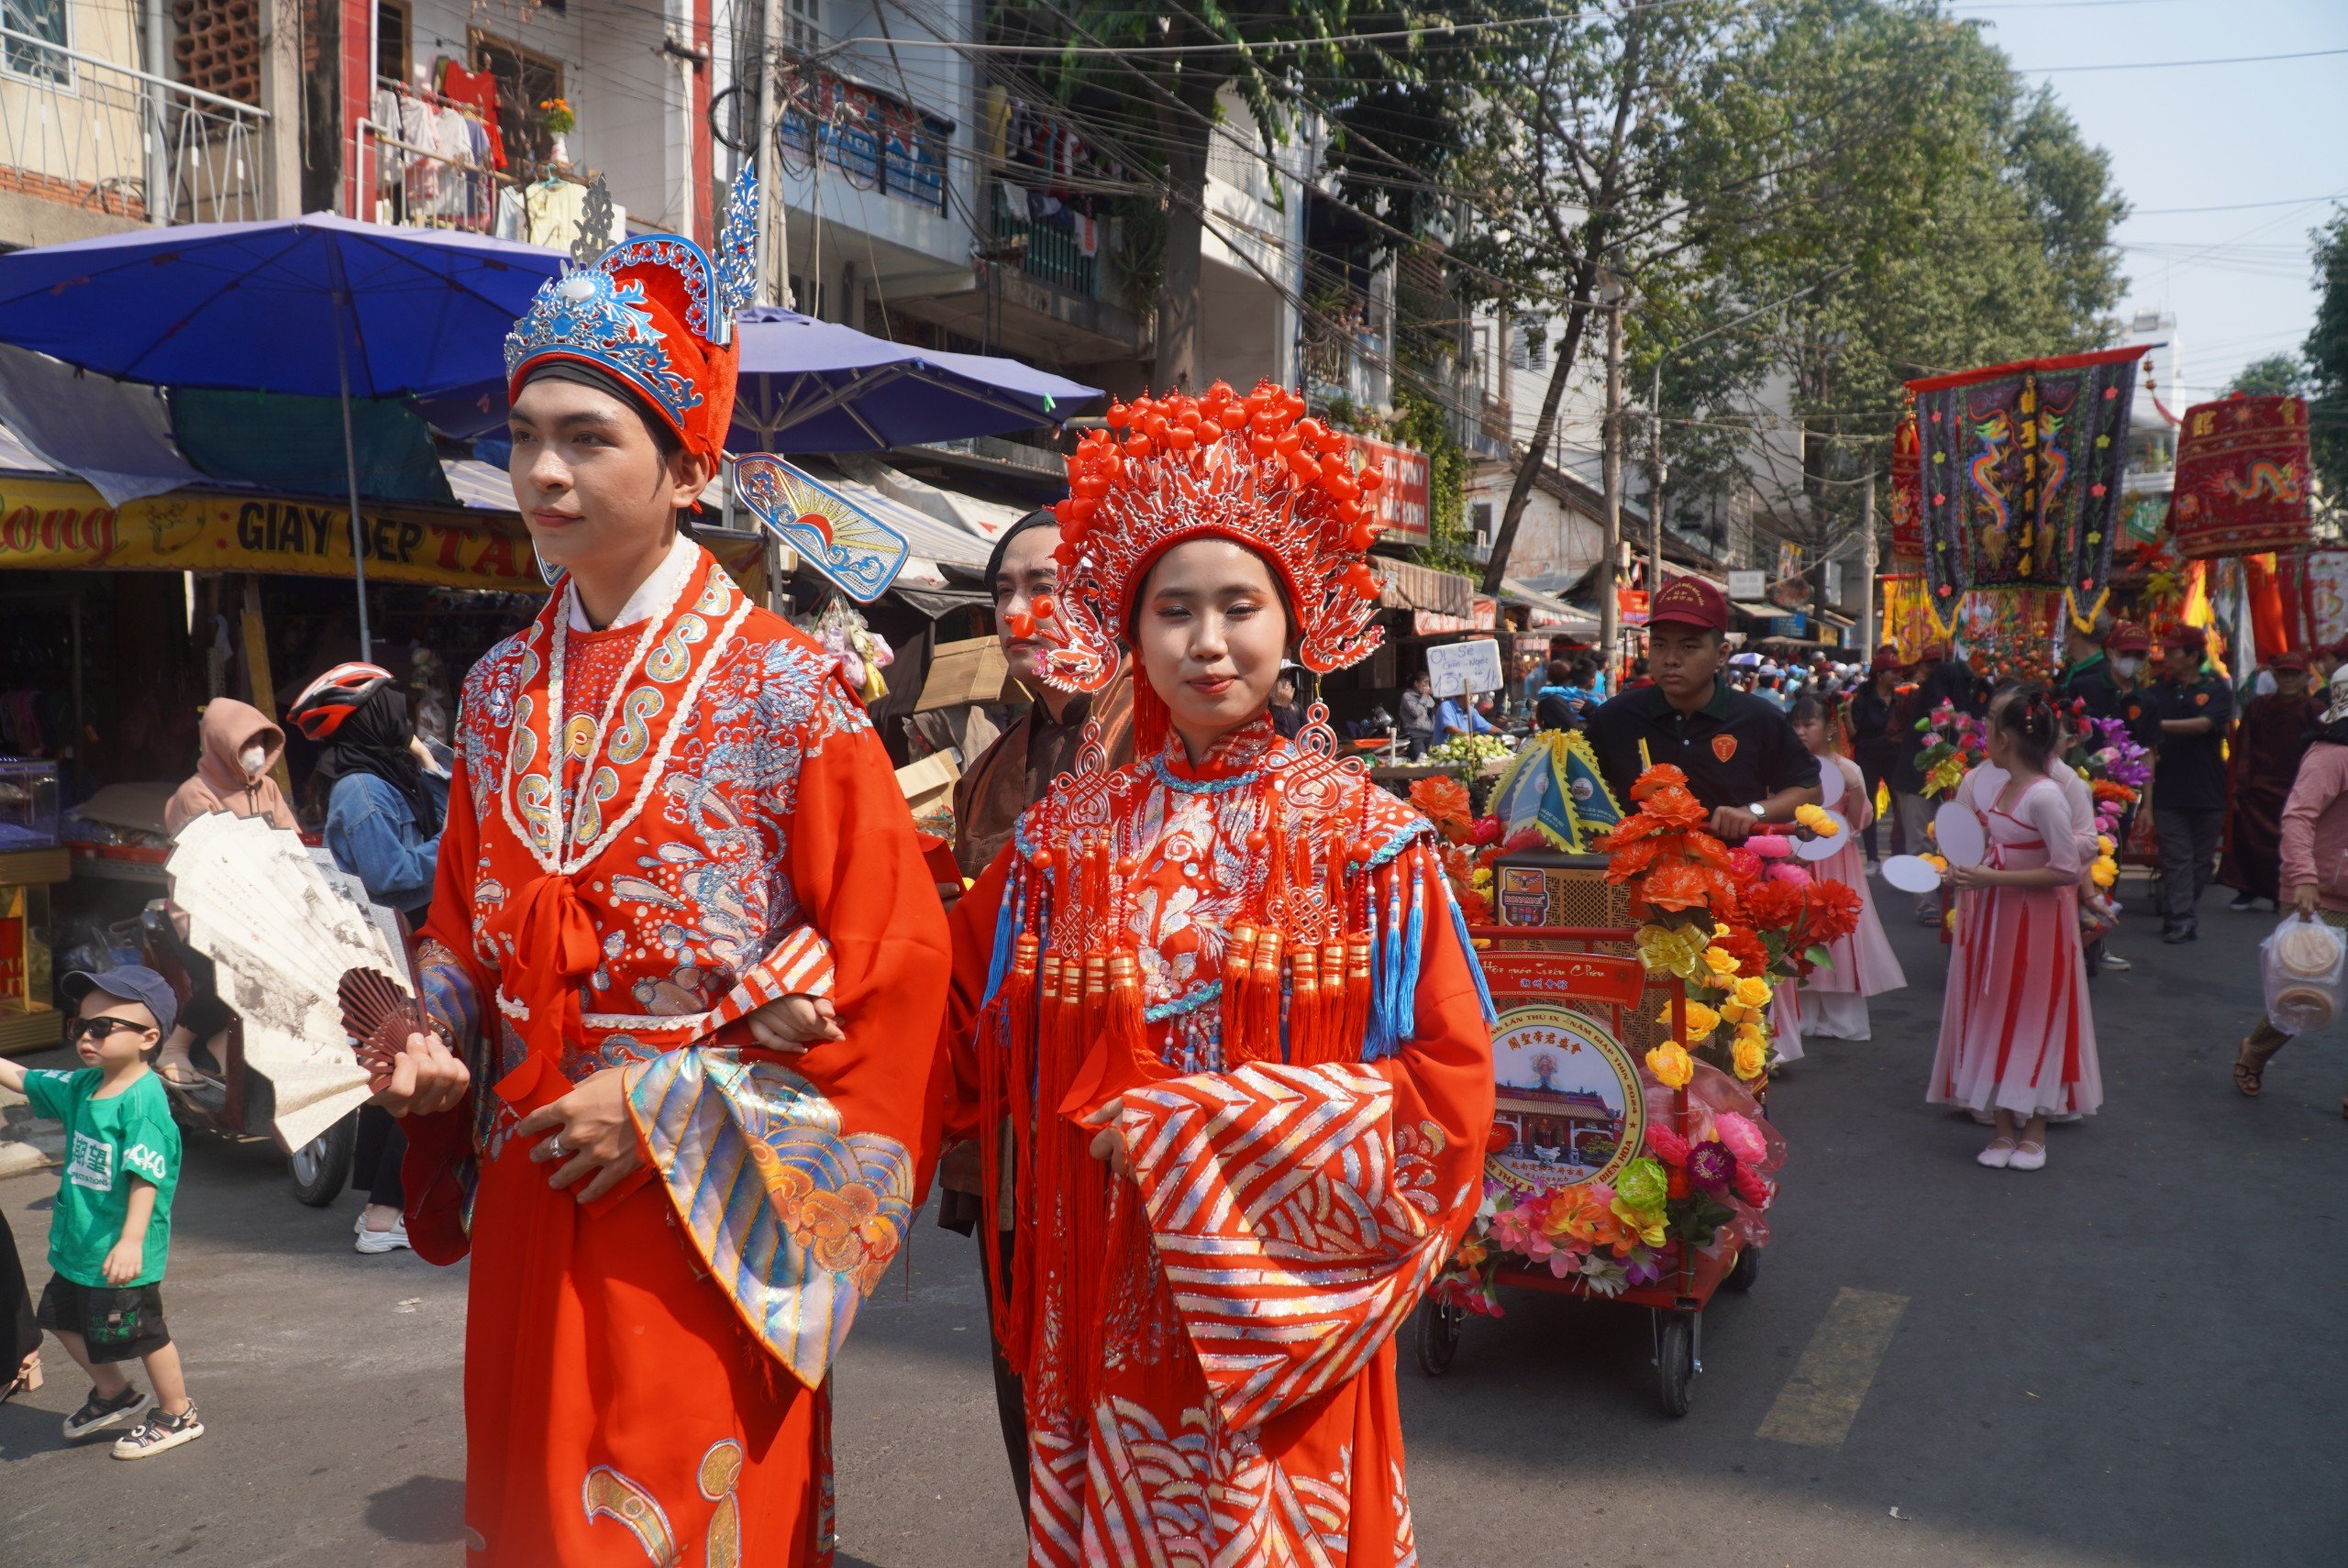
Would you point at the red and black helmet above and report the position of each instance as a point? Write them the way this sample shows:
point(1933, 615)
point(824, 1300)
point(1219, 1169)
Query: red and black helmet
point(329, 699)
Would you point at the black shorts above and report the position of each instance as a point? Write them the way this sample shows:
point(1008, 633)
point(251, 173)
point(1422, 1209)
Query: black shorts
point(115, 1325)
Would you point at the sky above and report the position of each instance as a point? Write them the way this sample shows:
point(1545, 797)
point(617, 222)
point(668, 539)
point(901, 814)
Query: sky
point(2203, 135)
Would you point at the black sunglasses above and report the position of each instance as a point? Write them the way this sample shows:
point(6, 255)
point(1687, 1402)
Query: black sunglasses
point(99, 1028)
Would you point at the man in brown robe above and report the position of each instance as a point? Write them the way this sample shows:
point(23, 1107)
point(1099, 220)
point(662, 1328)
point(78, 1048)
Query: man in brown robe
point(2274, 733)
point(1007, 778)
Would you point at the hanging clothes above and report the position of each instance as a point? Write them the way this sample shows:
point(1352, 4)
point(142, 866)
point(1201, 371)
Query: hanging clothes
point(477, 90)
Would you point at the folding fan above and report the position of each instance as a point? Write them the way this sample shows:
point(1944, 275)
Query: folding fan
point(283, 933)
point(849, 546)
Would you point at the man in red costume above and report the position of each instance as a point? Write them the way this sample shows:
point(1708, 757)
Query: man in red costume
point(684, 968)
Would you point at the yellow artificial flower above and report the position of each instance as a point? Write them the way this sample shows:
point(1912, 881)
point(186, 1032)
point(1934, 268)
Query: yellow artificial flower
point(1751, 1056)
point(1720, 961)
point(1753, 991)
point(1732, 1011)
point(2104, 845)
point(1647, 1228)
point(1818, 820)
point(1702, 1019)
point(1482, 876)
point(1938, 863)
point(1670, 1065)
point(2105, 871)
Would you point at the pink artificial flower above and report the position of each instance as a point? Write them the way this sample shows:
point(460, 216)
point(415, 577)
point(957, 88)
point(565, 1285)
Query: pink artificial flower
point(1769, 845)
point(1748, 1185)
point(1741, 1138)
point(1669, 1147)
point(1791, 874)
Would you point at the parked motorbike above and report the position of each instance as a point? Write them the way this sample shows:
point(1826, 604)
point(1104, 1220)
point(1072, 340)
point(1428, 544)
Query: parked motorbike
point(230, 1098)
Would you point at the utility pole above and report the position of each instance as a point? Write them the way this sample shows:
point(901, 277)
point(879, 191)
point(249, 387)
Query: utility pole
point(1609, 625)
point(1655, 473)
point(1866, 568)
point(774, 223)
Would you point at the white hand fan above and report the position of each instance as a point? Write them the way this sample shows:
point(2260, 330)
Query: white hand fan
point(1911, 873)
point(1830, 783)
point(1988, 781)
point(1821, 848)
point(1958, 833)
point(282, 936)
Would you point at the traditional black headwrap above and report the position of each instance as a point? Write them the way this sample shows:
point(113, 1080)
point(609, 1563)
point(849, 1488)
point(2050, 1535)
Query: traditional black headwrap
point(1037, 519)
point(373, 739)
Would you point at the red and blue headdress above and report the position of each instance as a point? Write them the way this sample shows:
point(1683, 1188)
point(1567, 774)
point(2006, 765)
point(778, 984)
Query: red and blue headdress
point(656, 312)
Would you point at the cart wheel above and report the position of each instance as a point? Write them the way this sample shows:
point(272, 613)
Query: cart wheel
point(321, 1166)
point(1675, 1360)
point(1438, 1336)
point(1744, 1271)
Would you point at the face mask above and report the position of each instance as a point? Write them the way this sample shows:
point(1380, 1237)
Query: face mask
point(254, 758)
point(2128, 665)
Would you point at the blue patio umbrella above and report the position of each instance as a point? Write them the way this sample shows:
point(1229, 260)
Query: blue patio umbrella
point(318, 305)
point(816, 386)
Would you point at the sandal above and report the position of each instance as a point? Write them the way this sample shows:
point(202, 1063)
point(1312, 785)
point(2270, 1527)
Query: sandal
point(2249, 1075)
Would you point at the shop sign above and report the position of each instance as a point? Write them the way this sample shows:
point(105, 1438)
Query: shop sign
point(56, 524)
point(1747, 585)
point(1456, 669)
point(1405, 501)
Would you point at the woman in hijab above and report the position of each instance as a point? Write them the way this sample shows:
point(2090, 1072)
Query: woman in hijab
point(383, 815)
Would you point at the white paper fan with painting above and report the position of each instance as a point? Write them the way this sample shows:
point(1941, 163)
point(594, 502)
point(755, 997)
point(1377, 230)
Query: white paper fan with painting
point(283, 933)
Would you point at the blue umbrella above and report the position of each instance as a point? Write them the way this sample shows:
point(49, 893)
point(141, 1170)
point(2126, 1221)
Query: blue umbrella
point(815, 386)
point(319, 304)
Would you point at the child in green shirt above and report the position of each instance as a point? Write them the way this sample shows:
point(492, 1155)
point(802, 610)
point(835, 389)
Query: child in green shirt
point(111, 1226)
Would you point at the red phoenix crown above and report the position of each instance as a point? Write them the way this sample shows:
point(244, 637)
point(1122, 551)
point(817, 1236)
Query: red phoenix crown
point(1251, 470)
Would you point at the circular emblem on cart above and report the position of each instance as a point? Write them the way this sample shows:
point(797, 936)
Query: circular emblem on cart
point(1566, 1100)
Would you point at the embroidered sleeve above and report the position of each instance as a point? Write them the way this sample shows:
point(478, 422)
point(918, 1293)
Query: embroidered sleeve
point(1299, 1213)
point(799, 965)
point(796, 1218)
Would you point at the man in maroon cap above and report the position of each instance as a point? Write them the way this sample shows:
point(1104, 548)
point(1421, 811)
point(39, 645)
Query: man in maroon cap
point(2275, 733)
point(1742, 759)
point(2185, 715)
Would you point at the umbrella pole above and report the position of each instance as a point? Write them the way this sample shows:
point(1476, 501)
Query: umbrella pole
point(350, 461)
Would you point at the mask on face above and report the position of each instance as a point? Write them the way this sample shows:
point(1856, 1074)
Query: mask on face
point(254, 758)
point(2128, 665)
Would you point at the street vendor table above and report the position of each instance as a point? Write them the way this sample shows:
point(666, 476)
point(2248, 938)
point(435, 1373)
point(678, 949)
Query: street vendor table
point(1571, 1103)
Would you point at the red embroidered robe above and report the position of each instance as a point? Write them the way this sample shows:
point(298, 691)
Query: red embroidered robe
point(645, 1380)
point(1220, 1389)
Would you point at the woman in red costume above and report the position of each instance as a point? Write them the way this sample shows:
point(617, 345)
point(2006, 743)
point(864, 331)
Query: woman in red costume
point(1217, 1020)
point(681, 964)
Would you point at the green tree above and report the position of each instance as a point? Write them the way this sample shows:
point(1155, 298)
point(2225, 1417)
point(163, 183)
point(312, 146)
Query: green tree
point(2326, 351)
point(2277, 375)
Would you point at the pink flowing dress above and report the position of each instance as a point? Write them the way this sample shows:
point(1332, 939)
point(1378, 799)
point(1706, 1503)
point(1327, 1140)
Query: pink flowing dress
point(2016, 1032)
point(1834, 997)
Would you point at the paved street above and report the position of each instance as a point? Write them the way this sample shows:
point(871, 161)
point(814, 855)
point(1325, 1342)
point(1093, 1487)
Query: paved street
point(2130, 1358)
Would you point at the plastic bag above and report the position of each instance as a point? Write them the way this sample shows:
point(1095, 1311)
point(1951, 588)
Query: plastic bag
point(2302, 965)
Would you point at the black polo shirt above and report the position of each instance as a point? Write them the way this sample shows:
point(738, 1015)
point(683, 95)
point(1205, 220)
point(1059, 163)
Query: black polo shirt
point(1736, 749)
point(2090, 681)
point(2189, 775)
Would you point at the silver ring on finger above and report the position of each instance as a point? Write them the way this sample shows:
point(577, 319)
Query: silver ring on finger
point(554, 1146)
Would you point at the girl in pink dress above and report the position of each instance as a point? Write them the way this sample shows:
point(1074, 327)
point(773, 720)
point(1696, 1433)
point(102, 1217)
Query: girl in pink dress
point(2017, 1037)
point(1862, 965)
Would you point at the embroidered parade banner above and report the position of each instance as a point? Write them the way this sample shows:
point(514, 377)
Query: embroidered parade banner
point(2021, 469)
point(2242, 477)
point(1907, 494)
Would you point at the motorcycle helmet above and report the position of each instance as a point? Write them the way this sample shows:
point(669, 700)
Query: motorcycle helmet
point(327, 702)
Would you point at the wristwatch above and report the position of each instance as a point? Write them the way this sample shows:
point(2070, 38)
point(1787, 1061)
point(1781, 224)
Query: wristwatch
point(1760, 810)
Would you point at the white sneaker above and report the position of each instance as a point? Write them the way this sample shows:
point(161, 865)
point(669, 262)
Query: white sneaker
point(374, 1241)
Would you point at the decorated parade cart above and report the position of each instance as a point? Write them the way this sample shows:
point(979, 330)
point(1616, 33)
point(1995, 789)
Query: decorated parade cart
point(1634, 960)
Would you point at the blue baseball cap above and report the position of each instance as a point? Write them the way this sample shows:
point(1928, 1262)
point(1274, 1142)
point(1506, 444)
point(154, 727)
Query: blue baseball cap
point(129, 982)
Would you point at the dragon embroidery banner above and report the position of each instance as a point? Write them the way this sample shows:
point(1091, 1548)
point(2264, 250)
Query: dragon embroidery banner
point(2021, 469)
point(2242, 478)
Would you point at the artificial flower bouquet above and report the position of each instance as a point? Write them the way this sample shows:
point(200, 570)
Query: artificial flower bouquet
point(1704, 1181)
point(1957, 743)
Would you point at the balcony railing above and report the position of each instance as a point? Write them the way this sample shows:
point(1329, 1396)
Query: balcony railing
point(412, 180)
point(1047, 251)
point(100, 134)
point(875, 141)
